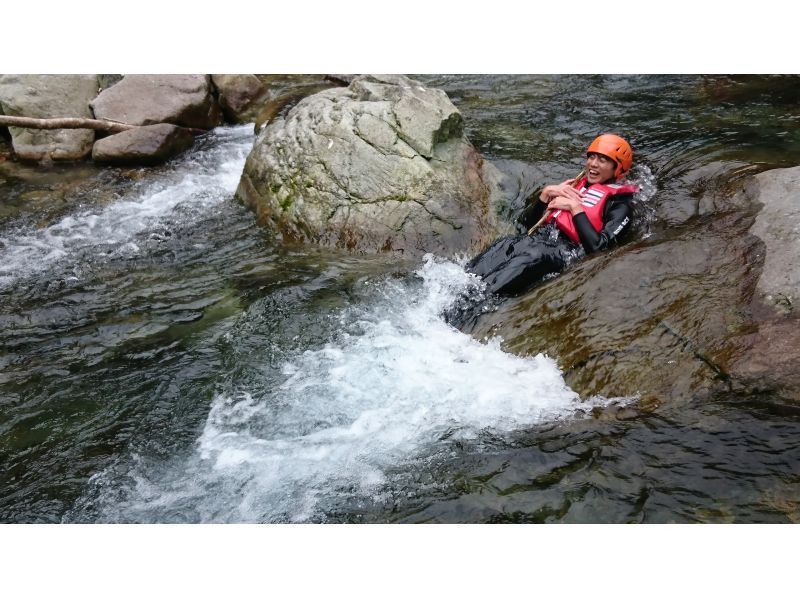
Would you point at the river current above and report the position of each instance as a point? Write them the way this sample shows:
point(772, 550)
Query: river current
point(162, 360)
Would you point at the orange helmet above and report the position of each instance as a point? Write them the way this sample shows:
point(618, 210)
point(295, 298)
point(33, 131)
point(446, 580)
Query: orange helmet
point(617, 149)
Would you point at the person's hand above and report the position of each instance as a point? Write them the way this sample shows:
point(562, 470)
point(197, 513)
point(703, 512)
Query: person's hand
point(562, 202)
point(565, 189)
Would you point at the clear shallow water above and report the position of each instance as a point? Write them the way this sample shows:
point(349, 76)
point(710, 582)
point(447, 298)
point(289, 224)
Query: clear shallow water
point(162, 361)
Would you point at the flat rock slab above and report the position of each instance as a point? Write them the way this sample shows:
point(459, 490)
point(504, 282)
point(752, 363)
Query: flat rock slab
point(49, 96)
point(146, 146)
point(184, 100)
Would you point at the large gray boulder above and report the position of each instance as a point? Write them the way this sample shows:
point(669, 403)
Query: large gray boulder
point(381, 165)
point(149, 145)
point(49, 96)
point(184, 100)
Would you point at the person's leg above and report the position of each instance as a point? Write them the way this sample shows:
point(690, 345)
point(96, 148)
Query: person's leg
point(514, 264)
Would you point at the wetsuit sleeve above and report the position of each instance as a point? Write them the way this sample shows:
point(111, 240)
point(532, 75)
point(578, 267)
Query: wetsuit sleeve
point(616, 217)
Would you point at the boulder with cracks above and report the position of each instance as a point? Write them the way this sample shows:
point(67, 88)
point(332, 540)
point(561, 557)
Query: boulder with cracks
point(381, 165)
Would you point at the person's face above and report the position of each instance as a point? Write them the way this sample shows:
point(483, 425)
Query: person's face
point(599, 168)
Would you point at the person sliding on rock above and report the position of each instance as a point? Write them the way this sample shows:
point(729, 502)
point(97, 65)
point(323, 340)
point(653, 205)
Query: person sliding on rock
point(589, 212)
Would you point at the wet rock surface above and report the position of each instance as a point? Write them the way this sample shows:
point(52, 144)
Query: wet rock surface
point(636, 320)
point(685, 315)
point(49, 96)
point(772, 361)
point(381, 165)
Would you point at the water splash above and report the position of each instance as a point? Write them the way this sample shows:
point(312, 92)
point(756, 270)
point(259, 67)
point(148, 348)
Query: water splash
point(395, 384)
point(644, 211)
point(184, 189)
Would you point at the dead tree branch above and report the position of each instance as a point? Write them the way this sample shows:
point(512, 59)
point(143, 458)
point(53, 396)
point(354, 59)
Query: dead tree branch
point(26, 122)
point(111, 126)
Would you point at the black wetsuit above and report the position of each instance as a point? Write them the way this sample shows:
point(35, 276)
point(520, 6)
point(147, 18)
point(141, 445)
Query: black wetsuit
point(511, 265)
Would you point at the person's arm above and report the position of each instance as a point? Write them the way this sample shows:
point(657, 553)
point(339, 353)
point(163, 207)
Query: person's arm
point(616, 218)
point(533, 212)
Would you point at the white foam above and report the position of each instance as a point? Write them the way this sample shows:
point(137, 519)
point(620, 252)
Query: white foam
point(642, 175)
point(396, 384)
point(197, 182)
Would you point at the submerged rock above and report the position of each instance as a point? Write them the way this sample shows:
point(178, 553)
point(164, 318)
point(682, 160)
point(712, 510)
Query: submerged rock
point(150, 145)
point(184, 100)
point(49, 96)
point(381, 165)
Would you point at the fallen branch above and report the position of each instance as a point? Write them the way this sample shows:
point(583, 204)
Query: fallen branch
point(26, 122)
point(111, 126)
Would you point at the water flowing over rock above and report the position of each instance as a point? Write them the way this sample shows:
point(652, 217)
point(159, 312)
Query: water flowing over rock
point(381, 165)
point(150, 145)
point(49, 96)
point(183, 100)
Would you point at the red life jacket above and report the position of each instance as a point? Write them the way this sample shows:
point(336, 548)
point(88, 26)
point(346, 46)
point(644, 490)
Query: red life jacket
point(594, 201)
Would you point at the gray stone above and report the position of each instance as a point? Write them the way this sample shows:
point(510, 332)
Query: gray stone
point(184, 100)
point(778, 225)
point(237, 94)
point(149, 145)
point(381, 165)
point(49, 96)
point(424, 117)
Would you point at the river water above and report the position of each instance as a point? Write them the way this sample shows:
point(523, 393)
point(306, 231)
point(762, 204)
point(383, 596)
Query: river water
point(162, 360)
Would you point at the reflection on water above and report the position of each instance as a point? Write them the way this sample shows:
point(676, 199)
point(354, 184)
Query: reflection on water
point(161, 360)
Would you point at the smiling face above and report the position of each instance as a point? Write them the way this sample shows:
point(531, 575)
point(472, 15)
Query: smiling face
point(599, 168)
